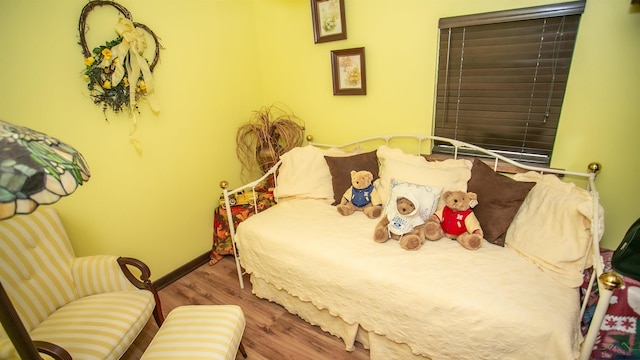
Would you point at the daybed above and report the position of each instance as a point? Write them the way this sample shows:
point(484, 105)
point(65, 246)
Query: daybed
point(517, 297)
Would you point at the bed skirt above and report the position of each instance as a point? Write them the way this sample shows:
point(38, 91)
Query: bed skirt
point(380, 347)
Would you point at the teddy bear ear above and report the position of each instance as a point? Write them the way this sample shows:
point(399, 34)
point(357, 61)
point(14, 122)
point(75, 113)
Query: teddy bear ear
point(472, 195)
point(353, 172)
point(446, 194)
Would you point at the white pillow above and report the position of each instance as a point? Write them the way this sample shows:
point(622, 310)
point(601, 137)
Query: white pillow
point(552, 227)
point(304, 174)
point(397, 165)
point(426, 196)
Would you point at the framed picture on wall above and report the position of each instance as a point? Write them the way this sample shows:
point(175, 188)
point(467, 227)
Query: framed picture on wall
point(348, 71)
point(329, 23)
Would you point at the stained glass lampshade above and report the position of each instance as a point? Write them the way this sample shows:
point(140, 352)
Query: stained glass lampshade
point(35, 169)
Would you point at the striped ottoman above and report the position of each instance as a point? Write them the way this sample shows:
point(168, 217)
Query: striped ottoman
point(199, 332)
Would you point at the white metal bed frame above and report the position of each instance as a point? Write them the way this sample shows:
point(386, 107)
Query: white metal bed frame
point(607, 282)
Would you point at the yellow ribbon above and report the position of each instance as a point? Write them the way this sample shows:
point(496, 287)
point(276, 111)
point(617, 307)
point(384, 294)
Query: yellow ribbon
point(129, 52)
point(135, 142)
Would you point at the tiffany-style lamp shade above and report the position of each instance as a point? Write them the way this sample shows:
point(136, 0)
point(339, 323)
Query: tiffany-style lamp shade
point(35, 169)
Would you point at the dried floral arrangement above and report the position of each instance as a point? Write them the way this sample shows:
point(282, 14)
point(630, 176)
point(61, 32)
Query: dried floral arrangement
point(117, 74)
point(270, 132)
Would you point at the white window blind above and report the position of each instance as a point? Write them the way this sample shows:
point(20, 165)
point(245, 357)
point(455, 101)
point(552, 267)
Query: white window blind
point(502, 78)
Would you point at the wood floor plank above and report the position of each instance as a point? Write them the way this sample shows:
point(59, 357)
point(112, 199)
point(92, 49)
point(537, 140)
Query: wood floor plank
point(271, 332)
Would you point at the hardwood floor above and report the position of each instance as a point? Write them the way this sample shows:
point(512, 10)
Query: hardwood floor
point(271, 332)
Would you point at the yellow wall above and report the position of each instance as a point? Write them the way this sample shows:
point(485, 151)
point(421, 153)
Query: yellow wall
point(156, 206)
point(225, 58)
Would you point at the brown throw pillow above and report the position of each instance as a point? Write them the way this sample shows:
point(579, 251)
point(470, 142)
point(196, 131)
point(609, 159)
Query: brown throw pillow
point(340, 168)
point(499, 199)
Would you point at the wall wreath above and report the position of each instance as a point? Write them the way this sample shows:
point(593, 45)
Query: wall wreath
point(117, 73)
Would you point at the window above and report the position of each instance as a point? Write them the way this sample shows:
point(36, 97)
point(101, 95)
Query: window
point(502, 78)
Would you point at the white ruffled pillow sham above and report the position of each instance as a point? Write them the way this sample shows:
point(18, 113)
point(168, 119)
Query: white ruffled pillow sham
point(304, 173)
point(400, 166)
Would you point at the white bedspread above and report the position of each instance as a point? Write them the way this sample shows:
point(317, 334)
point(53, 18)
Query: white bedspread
point(445, 302)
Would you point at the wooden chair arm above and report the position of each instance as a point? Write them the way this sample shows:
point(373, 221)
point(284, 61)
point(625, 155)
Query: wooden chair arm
point(55, 351)
point(144, 282)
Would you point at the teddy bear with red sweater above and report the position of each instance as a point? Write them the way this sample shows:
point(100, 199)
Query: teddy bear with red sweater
point(456, 220)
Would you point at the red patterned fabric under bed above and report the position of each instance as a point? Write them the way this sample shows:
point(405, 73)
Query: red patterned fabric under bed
point(221, 233)
point(619, 336)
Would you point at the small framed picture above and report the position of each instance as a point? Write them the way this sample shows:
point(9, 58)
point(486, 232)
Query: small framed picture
point(348, 70)
point(329, 23)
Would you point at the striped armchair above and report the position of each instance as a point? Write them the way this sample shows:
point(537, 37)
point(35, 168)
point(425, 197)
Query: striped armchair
point(93, 307)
